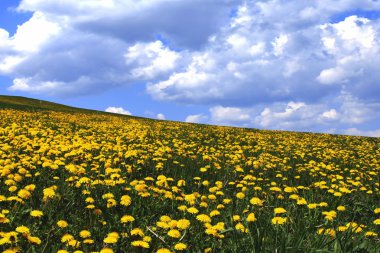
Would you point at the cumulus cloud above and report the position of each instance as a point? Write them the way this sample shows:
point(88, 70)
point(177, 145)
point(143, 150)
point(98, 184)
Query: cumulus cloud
point(118, 110)
point(151, 59)
point(160, 116)
point(273, 64)
point(196, 118)
point(357, 132)
point(88, 47)
point(283, 61)
point(220, 114)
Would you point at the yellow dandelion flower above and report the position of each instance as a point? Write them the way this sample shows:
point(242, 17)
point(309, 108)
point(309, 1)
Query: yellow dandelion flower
point(24, 194)
point(240, 195)
point(66, 238)
point(174, 233)
point(137, 232)
point(34, 240)
point(279, 220)
point(106, 250)
point(279, 210)
point(141, 244)
point(341, 208)
point(36, 213)
point(147, 239)
point(125, 200)
point(203, 218)
point(256, 201)
point(183, 224)
point(192, 210)
point(88, 241)
point(180, 246)
point(251, 217)
point(163, 250)
point(165, 218)
point(62, 223)
point(127, 218)
point(84, 234)
point(62, 251)
point(110, 240)
point(23, 230)
point(370, 234)
point(214, 213)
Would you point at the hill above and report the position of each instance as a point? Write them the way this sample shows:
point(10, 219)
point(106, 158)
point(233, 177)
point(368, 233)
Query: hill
point(23, 103)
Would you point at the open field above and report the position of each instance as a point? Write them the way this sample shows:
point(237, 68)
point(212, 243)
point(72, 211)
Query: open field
point(81, 181)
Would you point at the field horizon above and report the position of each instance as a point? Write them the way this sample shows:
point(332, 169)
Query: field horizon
point(27, 103)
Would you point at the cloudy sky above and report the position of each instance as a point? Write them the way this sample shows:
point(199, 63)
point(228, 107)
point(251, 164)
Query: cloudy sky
point(297, 65)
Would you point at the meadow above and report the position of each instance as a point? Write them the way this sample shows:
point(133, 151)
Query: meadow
point(86, 182)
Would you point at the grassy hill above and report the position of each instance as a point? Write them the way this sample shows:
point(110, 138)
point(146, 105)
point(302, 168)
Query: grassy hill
point(23, 103)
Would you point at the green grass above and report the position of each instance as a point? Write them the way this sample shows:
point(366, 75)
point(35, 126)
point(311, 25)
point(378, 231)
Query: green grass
point(30, 104)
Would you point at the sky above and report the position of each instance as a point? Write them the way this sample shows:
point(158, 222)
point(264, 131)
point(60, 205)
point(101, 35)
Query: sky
point(276, 64)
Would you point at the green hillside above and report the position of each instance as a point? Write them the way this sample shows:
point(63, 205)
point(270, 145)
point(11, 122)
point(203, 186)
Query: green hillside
point(23, 103)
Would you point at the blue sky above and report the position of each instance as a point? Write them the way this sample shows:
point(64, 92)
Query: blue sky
point(286, 65)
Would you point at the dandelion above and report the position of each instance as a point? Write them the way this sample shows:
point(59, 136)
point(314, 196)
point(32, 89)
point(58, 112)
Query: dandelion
point(23, 230)
point(240, 195)
point(330, 215)
point(370, 234)
point(279, 210)
point(34, 240)
point(24, 194)
point(256, 201)
point(137, 232)
point(36, 213)
point(174, 233)
point(251, 217)
point(192, 210)
point(203, 218)
point(341, 208)
point(84, 234)
point(163, 250)
point(66, 238)
point(125, 200)
point(183, 224)
point(127, 218)
point(110, 240)
point(279, 220)
point(214, 213)
point(141, 244)
point(62, 223)
point(180, 246)
point(106, 250)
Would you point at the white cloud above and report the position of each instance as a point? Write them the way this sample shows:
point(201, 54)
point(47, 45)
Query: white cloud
point(251, 64)
point(330, 114)
point(196, 118)
point(353, 44)
point(160, 116)
point(357, 132)
point(151, 59)
point(279, 44)
point(220, 114)
point(118, 110)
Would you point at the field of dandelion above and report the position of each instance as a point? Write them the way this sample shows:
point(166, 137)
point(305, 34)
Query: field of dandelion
point(85, 182)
